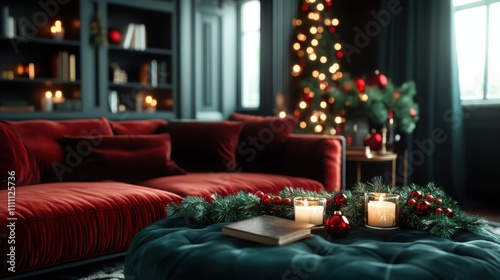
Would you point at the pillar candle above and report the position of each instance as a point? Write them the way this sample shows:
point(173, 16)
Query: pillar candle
point(311, 212)
point(381, 213)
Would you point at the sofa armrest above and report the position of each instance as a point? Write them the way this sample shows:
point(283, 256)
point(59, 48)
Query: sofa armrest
point(317, 157)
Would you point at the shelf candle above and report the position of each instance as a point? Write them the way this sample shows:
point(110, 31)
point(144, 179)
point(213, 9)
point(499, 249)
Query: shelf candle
point(309, 210)
point(58, 97)
point(47, 103)
point(150, 103)
point(381, 210)
point(57, 30)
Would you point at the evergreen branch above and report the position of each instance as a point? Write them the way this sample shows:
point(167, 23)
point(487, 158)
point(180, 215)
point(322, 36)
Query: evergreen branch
point(442, 216)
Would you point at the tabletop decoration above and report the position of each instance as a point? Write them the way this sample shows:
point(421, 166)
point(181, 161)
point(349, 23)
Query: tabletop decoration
point(426, 208)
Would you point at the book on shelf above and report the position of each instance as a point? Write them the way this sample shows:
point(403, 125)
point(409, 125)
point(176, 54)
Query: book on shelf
point(134, 36)
point(64, 66)
point(16, 108)
point(268, 230)
point(149, 73)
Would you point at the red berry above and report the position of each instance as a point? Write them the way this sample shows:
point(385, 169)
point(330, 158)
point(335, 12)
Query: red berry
point(423, 208)
point(448, 212)
point(266, 199)
point(438, 201)
point(259, 193)
point(416, 194)
point(209, 198)
point(411, 201)
point(277, 200)
point(439, 210)
point(287, 201)
point(339, 200)
point(429, 197)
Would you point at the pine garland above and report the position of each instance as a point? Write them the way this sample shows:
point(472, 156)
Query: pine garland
point(443, 222)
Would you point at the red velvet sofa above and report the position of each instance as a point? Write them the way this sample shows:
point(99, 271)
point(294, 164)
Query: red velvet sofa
point(74, 190)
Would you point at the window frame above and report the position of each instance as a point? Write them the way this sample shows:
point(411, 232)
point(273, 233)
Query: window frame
point(484, 100)
point(239, 60)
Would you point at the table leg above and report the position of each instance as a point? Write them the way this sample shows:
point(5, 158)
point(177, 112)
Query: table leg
point(358, 172)
point(394, 172)
point(405, 168)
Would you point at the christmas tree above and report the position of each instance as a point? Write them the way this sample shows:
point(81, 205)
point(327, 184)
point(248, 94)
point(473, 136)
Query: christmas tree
point(327, 96)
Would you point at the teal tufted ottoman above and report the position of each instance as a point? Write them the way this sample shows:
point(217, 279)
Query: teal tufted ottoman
point(174, 249)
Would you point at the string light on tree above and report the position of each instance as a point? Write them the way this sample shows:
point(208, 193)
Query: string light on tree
point(324, 88)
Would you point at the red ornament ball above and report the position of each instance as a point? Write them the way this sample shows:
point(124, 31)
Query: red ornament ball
point(337, 225)
point(429, 198)
point(360, 84)
point(411, 201)
point(209, 198)
point(266, 199)
point(373, 140)
point(277, 200)
point(339, 200)
point(114, 36)
point(448, 212)
point(413, 112)
point(438, 201)
point(379, 80)
point(259, 193)
point(423, 208)
point(438, 210)
point(287, 201)
point(416, 194)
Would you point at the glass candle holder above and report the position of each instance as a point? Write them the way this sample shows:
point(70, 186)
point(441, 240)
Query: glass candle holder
point(309, 210)
point(382, 210)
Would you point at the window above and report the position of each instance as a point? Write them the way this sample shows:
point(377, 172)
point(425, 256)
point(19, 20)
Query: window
point(478, 43)
point(249, 54)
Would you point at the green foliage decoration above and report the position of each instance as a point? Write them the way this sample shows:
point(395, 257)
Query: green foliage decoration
point(241, 206)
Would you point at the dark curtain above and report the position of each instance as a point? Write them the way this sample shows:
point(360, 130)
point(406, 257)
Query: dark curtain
point(418, 44)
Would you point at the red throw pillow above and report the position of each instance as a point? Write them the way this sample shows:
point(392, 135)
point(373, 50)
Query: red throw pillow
point(40, 137)
point(16, 161)
point(203, 146)
point(261, 135)
point(137, 127)
point(125, 158)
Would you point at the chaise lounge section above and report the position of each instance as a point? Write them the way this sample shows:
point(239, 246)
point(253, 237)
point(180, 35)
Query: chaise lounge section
point(78, 190)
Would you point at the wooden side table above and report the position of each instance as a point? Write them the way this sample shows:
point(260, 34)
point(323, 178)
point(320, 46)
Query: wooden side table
point(360, 155)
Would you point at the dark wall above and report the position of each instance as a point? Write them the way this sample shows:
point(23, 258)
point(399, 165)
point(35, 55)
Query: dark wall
point(482, 133)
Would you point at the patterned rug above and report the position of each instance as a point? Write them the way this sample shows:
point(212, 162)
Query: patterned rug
point(106, 270)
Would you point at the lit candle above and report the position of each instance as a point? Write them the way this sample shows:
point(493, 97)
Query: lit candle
point(57, 30)
point(47, 103)
point(309, 210)
point(150, 103)
point(58, 97)
point(381, 210)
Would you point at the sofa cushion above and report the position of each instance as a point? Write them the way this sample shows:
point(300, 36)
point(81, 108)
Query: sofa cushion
point(16, 161)
point(69, 221)
point(40, 137)
point(124, 158)
point(204, 145)
point(223, 183)
point(261, 138)
point(136, 127)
